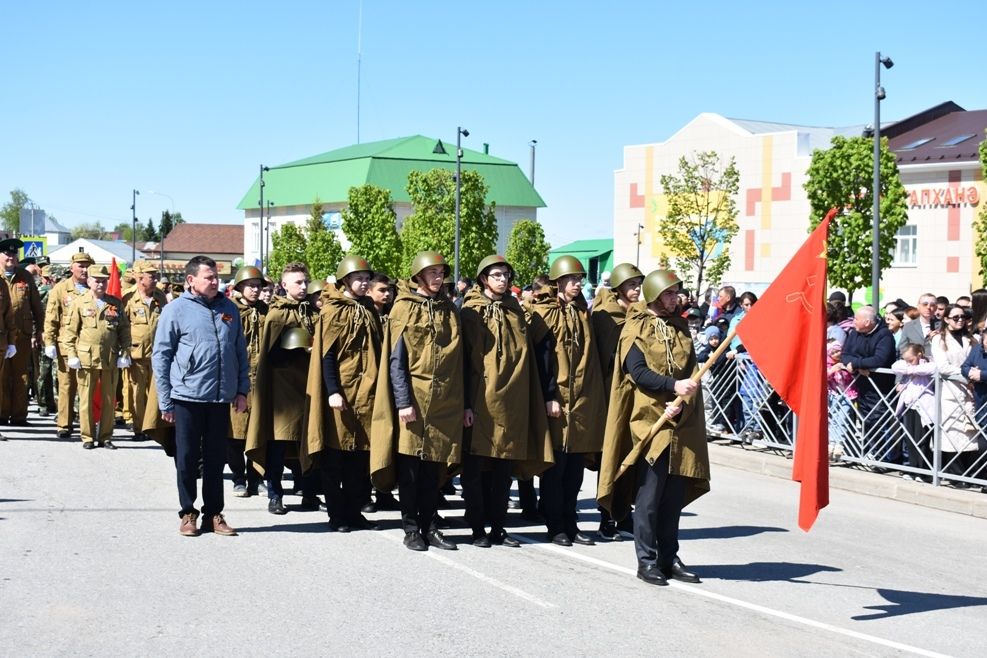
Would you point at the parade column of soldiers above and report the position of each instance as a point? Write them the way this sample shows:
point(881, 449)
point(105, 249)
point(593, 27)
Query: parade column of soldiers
point(27, 322)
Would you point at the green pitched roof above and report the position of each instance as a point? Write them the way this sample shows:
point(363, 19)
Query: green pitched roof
point(584, 251)
point(386, 164)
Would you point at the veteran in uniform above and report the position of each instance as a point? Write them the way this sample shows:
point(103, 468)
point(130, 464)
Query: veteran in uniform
point(56, 314)
point(95, 342)
point(246, 297)
point(142, 305)
point(655, 361)
point(46, 366)
point(28, 324)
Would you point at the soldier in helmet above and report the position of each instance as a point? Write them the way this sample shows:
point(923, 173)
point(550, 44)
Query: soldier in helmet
point(505, 423)
point(655, 360)
point(418, 409)
point(314, 296)
point(342, 382)
point(609, 311)
point(246, 296)
point(60, 301)
point(95, 341)
point(569, 370)
point(277, 420)
point(143, 306)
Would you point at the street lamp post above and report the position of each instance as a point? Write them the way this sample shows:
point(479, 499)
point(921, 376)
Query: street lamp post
point(460, 132)
point(876, 245)
point(637, 260)
point(260, 218)
point(533, 143)
point(133, 217)
point(267, 229)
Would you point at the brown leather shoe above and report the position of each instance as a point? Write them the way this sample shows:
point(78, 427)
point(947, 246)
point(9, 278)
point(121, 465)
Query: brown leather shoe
point(221, 527)
point(188, 528)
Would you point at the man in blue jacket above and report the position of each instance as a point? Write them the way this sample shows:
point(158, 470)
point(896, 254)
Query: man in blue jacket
point(200, 366)
point(868, 346)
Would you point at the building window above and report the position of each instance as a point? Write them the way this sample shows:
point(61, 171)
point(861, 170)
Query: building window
point(905, 246)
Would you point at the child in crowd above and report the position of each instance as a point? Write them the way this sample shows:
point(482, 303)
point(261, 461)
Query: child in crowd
point(842, 393)
point(916, 405)
point(710, 339)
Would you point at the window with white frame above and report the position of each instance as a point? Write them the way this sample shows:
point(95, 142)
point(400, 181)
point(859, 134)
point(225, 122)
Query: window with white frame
point(905, 246)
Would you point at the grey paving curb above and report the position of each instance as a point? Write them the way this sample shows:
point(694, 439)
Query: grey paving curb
point(970, 503)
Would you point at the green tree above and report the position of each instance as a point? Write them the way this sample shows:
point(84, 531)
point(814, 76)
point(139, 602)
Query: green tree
point(370, 224)
point(322, 249)
point(125, 231)
point(11, 211)
point(527, 251)
point(980, 225)
point(432, 225)
point(843, 177)
point(89, 230)
point(168, 222)
point(287, 246)
point(702, 215)
point(148, 233)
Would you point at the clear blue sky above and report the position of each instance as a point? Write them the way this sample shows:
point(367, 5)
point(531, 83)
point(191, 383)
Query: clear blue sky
point(187, 98)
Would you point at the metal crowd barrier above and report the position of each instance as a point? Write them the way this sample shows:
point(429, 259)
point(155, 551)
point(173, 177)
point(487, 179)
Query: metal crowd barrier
point(869, 430)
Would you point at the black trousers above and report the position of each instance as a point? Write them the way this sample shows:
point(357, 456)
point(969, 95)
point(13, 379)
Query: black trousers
point(418, 489)
point(560, 491)
point(344, 475)
point(657, 509)
point(242, 468)
point(486, 486)
point(200, 433)
point(526, 495)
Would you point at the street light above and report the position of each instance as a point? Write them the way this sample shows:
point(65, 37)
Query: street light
point(260, 219)
point(533, 143)
point(161, 241)
point(133, 235)
point(637, 261)
point(267, 229)
point(460, 131)
point(879, 96)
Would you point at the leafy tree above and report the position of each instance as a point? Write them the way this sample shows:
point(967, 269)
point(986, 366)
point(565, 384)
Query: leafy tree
point(125, 231)
point(168, 222)
point(11, 211)
point(843, 177)
point(287, 246)
point(702, 215)
point(432, 225)
point(148, 233)
point(980, 225)
point(89, 230)
point(527, 251)
point(370, 224)
point(322, 250)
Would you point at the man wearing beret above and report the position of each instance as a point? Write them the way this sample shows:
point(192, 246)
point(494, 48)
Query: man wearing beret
point(60, 301)
point(95, 339)
point(142, 306)
point(28, 321)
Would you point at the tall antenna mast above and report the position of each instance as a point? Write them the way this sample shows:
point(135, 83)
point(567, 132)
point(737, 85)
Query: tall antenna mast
point(359, 52)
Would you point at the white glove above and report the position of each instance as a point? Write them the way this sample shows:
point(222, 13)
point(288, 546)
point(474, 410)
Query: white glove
point(123, 362)
point(74, 363)
point(50, 351)
point(11, 351)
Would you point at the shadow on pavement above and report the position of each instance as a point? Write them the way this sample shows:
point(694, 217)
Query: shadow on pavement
point(759, 572)
point(904, 602)
point(727, 532)
point(320, 526)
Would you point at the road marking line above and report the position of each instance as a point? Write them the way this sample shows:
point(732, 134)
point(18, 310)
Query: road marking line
point(479, 576)
point(737, 602)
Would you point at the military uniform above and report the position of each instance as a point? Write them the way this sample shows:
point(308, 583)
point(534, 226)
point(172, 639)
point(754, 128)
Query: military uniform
point(28, 321)
point(60, 300)
point(46, 366)
point(96, 334)
point(143, 316)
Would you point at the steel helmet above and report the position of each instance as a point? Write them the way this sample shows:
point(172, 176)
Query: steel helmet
point(315, 287)
point(658, 282)
point(624, 272)
point(490, 261)
point(425, 259)
point(564, 265)
point(351, 264)
point(246, 273)
point(296, 338)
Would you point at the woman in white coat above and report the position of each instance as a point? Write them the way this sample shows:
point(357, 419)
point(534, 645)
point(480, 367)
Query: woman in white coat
point(949, 350)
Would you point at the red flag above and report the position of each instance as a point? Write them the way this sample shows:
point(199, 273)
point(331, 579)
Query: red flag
point(113, 286)
point(785, 334)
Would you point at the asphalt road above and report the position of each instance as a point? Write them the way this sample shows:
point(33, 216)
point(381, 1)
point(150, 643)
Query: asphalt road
point(92, 564)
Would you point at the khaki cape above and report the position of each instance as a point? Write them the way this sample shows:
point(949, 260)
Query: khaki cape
point(351, 328)
point(508, 407)
point(608, 318)
point(577, 369)
point(252, 321)
point(431, 333)
point(278, 399)
point(632, 412)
